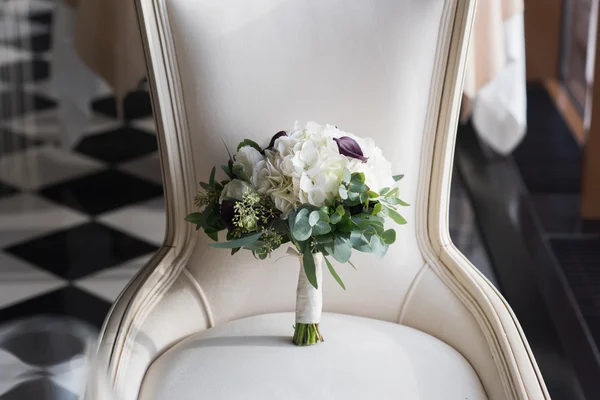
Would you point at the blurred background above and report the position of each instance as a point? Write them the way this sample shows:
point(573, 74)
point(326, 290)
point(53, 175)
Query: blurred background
point(82, 209)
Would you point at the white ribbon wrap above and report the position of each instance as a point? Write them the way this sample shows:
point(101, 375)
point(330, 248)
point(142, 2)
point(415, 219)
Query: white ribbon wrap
point(309, 301)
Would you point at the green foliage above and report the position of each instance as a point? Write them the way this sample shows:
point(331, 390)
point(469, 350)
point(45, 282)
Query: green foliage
point(251, 143)
point(228, 169)
point(355, 221)
point(393, 214)
point(241, 242)
point(334, 274)
point(309, 266)
point(196, 218)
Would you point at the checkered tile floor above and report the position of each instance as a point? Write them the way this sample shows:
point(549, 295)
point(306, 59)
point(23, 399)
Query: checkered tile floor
point(76, 224)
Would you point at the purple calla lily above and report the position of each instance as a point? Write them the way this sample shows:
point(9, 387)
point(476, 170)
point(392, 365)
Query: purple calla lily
point(275, 137)
point(349, 148)
point(227, 211)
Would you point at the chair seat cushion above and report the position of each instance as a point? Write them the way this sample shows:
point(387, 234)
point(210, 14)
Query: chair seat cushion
point(253, 358)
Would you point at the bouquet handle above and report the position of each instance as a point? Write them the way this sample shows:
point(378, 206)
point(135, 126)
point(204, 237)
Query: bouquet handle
point(309, 305)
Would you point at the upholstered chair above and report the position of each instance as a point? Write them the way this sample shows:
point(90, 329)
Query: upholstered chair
point(421, 323)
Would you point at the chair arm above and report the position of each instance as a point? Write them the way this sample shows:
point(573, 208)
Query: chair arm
point(453, 301)
point(158, 308)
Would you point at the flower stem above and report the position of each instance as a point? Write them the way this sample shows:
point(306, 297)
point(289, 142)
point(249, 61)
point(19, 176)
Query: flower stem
point(307, 334)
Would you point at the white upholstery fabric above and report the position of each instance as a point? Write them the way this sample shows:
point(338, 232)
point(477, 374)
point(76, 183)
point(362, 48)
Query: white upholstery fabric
point(253, 358)
point(390, 69)
point(253, 68)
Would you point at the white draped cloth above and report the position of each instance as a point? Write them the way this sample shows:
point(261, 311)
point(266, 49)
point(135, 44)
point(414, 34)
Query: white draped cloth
point(495, 84)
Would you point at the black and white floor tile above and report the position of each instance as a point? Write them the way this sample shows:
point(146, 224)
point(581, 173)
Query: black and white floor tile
point(77, 223)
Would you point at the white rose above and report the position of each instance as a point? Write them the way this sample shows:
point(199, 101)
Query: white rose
point(247, 157)
point(378, 170)
point(260, 177)
point(234, 190)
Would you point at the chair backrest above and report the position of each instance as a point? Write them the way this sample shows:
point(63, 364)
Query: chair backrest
point(229, 69)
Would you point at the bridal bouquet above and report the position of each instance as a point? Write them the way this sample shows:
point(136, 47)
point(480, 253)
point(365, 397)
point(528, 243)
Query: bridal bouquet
point(324, 191)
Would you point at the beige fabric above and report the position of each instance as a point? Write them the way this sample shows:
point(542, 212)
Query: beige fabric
point(391, 70)
point(254, 359)
point(487, 55)
point(108, 40)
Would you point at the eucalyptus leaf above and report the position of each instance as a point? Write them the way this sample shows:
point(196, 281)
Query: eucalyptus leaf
point(346, 225)
point(256, 246)
point(323, 248)
point(291, 220)
point(342, 250)
point(343, 192)
point(346, 176)
point(377, 208)
point(353, 196)
point(392, 193)
point(227, 170)
point(378, 246)
point(396, 201)
point(248, 142)
point(197, 218)
point(205, 186)
point(238, 171)
point(358, 187)
point(301, 213)
point(335, 218)
point(309, 267)
point(398, 177)
point(302, 229)
point(361, 242)
point(334, 273)
point(323, 216)
point(213, 234)
point(366, 224)
point(313, 218)
point(241, 242)
point(357, 239)
point(321, 228)
point(340, 210)
point(389, 236)
point(384, 191)
point(211, 180)
point(397, 218)
point(353, 266)
point(324, 238)
point(358, 177)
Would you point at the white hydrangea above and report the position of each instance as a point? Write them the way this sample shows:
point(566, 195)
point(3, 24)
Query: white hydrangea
point(269, 179)
point(306, 166)
point(311, 157)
